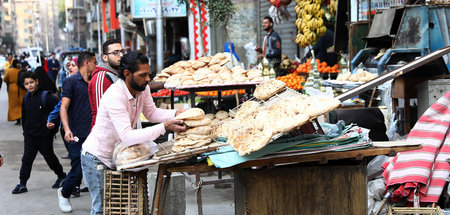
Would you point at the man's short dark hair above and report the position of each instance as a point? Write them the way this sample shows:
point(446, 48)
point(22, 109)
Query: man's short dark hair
point(27, 74)
point(10, 54)
point(269, 18)
point(85, 55)
point(131, 61)
point(53, 53)
point(105, 45)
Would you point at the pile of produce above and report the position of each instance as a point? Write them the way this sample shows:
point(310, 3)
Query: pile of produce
point(322, 67)
point(224, 93)
point(288, 64)
point(293, 81)
point(206, 71)
point(333, 7)
point(166, 92)
point(305, 67)
point(309, 21)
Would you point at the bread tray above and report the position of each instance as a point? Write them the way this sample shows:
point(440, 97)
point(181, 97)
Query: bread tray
point(285, 93)
point(171, 157)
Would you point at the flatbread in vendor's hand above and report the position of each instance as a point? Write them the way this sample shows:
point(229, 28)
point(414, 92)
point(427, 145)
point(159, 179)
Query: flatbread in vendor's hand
point(197, 122)
point(193, 113)
point(202, 130)
point(268, 89)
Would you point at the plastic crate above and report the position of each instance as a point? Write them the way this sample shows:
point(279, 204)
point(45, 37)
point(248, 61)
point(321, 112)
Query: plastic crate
point(125, 193)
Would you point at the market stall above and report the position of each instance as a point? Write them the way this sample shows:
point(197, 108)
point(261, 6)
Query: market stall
point(274, 130)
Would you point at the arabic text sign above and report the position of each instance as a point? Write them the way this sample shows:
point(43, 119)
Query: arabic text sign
point(147, 8)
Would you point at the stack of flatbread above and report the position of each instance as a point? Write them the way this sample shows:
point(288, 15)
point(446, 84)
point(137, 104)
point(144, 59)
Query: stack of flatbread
point(124, 154)
point(206, 70)
point(197, 135)
point(254, 124)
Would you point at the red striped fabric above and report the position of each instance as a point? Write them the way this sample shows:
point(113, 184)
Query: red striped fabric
point(425, 169)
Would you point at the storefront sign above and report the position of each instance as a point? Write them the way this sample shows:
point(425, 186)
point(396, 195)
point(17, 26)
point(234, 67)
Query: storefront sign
point(147, 8)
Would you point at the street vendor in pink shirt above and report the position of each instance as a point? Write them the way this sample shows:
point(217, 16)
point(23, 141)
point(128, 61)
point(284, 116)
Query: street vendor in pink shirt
point(117, 116)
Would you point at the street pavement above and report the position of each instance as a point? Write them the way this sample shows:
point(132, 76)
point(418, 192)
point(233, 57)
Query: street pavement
point(42, 199)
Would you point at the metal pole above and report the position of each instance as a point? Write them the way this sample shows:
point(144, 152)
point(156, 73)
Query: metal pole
point(99, 40)
point(122, 36)
point(78, 22)
point(159, 37)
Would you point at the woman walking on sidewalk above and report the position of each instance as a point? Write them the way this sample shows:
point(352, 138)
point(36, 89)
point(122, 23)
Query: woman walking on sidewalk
point(15, 93)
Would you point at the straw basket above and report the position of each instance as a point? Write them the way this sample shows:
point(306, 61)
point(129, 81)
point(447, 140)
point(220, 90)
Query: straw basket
point(125, 193)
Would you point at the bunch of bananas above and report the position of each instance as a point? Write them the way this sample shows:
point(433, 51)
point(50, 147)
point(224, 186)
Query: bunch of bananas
point(309, 21)
point(333, 7)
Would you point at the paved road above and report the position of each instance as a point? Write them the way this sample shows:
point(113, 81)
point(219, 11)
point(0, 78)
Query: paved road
point(42, 199)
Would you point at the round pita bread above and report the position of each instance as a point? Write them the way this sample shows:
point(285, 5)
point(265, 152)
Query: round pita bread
point(197, 122)
point(221, 114)
point(193, 113)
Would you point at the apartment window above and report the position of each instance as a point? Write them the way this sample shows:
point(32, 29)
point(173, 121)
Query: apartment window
point(30, 21)
point(25, 30)
point(26, 40)
point(6, 1)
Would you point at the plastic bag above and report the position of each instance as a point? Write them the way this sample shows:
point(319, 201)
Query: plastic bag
point(374, 169)
point(124, 154)
point(251, 54)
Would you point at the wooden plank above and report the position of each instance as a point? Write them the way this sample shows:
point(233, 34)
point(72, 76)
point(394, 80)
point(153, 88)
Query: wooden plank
point(306, 190)
point(293, 158)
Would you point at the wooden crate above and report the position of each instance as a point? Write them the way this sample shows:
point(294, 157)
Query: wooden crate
point(125, 193)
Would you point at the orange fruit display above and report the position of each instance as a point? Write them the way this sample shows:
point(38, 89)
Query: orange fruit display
point(292, 81)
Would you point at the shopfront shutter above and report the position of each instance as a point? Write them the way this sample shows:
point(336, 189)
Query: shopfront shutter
point(287, 29)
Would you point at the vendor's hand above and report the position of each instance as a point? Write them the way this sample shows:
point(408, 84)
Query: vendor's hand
point(258, 49)
point(50, 125)
point(68, 136)
point(175, 125)
point(180, 111)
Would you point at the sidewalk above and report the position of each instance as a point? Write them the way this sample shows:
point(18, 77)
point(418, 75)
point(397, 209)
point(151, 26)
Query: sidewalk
point(42, 199)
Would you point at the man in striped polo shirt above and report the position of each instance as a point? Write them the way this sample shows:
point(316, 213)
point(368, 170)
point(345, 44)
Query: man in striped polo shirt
point(105, 74)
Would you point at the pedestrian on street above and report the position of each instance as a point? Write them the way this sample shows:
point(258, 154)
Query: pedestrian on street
point(54, 117)
point(8, 62)
point(1, 161)
point(271, 46)
point(106, 73)
point(45, 83)
point(118, 114)
point(53, 67)
point(76, 118)
point(37, 105)
point(24, 64)
point(15, 93)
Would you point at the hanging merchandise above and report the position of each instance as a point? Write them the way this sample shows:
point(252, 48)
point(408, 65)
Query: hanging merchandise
point(332, 7)
point(279, 3)
point(279, 15)
point(309, 22)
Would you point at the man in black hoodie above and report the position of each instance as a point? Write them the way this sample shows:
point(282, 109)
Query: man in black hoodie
point(37, 104)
